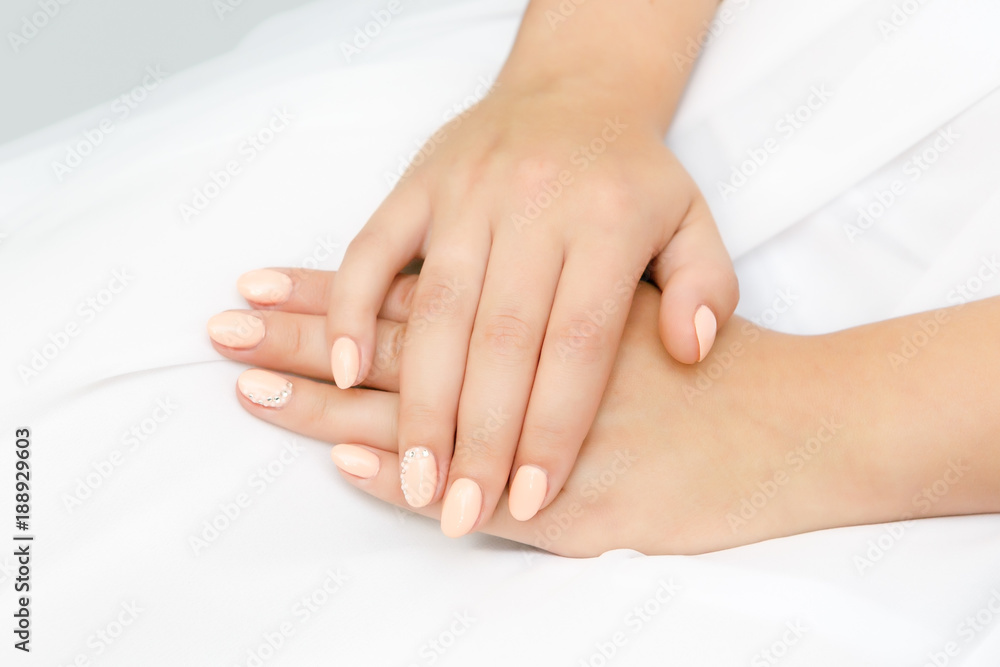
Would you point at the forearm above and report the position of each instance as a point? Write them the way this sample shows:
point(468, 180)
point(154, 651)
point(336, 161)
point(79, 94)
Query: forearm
point(921, 402)
point(635, 54)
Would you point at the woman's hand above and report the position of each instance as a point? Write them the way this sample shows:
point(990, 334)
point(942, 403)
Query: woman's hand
point(676, 455)
point(537, 214)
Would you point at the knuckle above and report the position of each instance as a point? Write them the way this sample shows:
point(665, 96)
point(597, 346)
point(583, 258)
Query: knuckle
point(292, 339)
point(533, 172)
point(472, 451)
point(419, 424)
point(324, 407)
point(580, 340)
point(484, 444)
point(407, 288)
point(507, 336)
point(436, 298)
point(390, 347)
point(545, 436)
point(610, 202)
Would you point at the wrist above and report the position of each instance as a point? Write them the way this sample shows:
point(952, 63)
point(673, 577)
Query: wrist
point(596, 93)
point(624, 52)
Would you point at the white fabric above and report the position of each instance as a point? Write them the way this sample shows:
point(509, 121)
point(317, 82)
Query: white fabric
point(399, 585)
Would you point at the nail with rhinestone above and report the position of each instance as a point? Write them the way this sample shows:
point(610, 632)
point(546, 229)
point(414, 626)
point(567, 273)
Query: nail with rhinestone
point(418, 476)
point(264, 388)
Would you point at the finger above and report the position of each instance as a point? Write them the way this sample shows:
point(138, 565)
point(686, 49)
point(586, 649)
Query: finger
point(700, 290)
point(308, 292)
point(385, 245)
point(591, 305)
point(432, 367)
point(372, 468)
point(319, 411)
point(503, 355)
point(295, 343)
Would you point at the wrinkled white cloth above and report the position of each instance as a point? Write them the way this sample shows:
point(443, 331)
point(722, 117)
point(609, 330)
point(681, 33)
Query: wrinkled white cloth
point(849, 153)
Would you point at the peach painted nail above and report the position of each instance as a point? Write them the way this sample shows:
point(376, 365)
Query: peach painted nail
point(355, 460)
point(705, 327)
point(263, 388)
point(345, 362)
point(527, 492)
point(238, 329)
point(265, 286)
point(418, 476)
point(461, 508)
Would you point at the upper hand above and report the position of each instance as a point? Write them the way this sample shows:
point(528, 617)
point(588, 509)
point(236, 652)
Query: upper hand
point(536, 213)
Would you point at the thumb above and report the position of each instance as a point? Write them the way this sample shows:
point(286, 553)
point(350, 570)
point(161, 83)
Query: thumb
point(699, 286)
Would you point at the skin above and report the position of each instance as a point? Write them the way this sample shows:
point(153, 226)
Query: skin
point(536, 214)
point(862, 430)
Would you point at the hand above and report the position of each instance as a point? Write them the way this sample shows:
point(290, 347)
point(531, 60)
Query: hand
point(675, 456)
point(537, 214)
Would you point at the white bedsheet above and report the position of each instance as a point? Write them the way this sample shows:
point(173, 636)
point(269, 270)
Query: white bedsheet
point(331, 576)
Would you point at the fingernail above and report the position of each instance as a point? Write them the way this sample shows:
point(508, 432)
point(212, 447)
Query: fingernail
point(355, 460)
point(418, 476)
point(263, 388)
point(705, 326)
point(344, 359)
point(527, 492)
point(461, 508)
point(265, 286)
point(237, 329)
